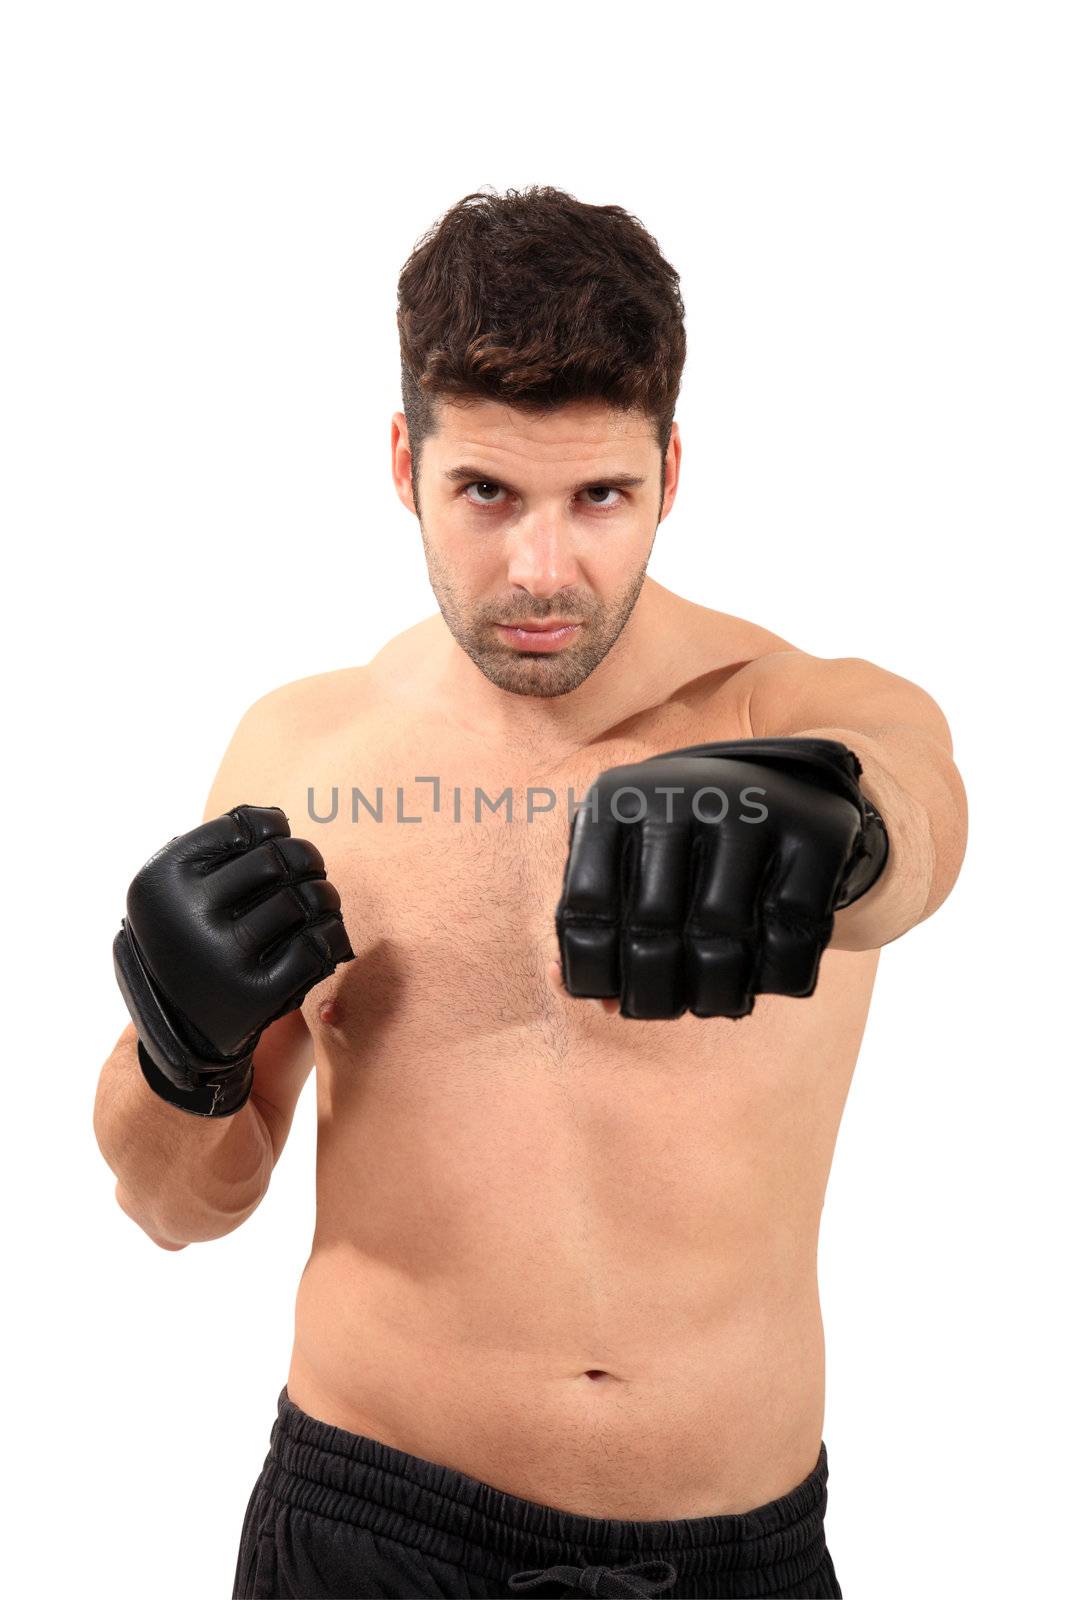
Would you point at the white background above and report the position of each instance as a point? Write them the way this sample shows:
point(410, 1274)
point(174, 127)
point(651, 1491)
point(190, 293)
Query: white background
point(206, 208)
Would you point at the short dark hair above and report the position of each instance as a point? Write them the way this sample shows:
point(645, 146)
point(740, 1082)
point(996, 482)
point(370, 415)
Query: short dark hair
point(534, 298)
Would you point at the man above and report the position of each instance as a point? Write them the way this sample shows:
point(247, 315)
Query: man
point(578, 1091)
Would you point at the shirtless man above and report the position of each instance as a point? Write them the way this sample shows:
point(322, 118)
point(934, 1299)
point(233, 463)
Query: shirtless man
point(559, 1330)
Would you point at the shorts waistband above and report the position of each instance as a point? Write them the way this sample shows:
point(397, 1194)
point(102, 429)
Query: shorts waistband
point(348, 1477)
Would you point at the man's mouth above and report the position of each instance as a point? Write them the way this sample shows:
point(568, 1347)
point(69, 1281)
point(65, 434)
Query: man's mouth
point(539, 637)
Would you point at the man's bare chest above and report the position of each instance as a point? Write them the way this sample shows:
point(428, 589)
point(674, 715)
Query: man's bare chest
point(449, 857)
point(449, 875)
point(449, 867)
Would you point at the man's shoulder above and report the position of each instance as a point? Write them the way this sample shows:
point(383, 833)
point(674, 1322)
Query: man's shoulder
point(326, 703)
point(718, 650)
point(307, 706)
point(705, 657)
point(279, 732)
point(727, 640)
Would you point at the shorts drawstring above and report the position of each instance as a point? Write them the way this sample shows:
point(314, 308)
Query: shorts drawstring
point(639, 1578)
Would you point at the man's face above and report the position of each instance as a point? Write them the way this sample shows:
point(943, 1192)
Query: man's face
point(544, 519)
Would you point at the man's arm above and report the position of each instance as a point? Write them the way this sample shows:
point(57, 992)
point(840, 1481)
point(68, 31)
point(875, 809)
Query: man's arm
point(185, 1179)
point(251, 766)
point(182, 1179)
point(905, 749)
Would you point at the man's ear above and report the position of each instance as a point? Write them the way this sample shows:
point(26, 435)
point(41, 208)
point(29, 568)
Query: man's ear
point(672, 463)
point(400, 452)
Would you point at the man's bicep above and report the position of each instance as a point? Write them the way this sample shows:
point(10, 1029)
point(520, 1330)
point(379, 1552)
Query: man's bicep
point(282, 1063)
point(255, 770)
point(247, 773)
point(789, 691)
point(263, 757)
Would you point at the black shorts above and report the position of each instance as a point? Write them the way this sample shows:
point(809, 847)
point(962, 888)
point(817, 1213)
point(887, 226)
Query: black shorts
point(336, 1514)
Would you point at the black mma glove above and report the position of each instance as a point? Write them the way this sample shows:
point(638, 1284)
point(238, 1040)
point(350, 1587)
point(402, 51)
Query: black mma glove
point(703, 877)
point(227, 928)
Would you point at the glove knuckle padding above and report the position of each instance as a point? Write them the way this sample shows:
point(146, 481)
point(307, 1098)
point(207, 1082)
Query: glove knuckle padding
point(660, 894)
point(222, 836)
point(724, 924)
point(318, 897)
point(331, 936)
point(227, 928)
point(700, 878)
point(588, 914)
point(303, 962)
point(269, 921)
point(592, 883)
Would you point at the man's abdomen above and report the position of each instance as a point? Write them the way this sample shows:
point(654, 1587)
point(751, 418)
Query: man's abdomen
point(654, 1416)
point(575, 1258)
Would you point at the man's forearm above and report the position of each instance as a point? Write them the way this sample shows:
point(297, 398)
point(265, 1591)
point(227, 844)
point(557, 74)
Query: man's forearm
point(182, 1178)
point(912, 780)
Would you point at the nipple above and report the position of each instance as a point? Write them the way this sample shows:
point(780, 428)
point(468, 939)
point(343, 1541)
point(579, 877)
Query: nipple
point(330, 1013)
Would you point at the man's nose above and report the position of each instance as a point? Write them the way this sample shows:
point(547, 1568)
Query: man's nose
point(541, 557)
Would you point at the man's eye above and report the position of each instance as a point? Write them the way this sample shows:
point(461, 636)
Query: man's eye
point(603, 489)
point(483, 484)
point(480, 498)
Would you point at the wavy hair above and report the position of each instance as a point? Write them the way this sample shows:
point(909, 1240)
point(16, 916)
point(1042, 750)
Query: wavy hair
point(534, 298)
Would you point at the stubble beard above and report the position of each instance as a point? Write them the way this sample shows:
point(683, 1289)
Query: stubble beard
point(544, 675)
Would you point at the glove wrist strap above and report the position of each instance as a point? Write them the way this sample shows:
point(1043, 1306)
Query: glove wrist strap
point(833, 766)
point(218, 1094)
point(868, 862)
point(178, 1072)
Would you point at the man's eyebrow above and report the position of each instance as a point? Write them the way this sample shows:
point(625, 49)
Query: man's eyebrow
point(606, 480)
